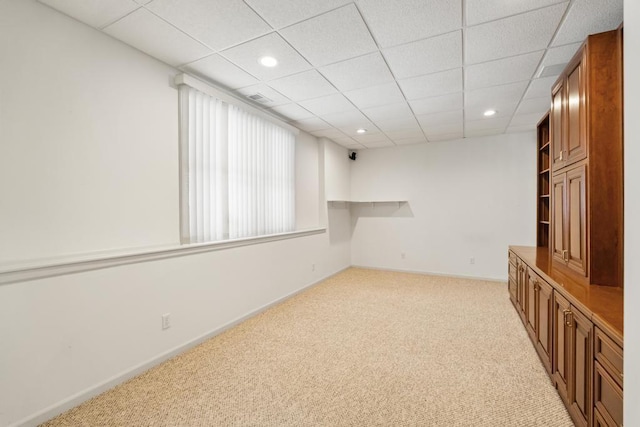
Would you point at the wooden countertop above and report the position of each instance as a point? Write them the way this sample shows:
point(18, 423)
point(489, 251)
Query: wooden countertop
point(603, 304)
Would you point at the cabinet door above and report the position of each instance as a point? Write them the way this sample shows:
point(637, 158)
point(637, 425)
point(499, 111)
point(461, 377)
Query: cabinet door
point(532, 311)
point(545, 322)
point(557, 135)
point(576, 229)
point(513, 283)
point(561, 347)
point(558, 235)
point(522, 291)
point(582, 367)
point(576, 140)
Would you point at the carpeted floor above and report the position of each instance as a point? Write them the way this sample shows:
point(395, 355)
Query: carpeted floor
point(364, 348)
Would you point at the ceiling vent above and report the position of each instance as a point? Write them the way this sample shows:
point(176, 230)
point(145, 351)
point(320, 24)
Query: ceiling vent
point(260, 98)
point(552, 70)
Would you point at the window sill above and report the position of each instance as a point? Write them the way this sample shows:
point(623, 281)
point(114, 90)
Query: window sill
point(40, 269)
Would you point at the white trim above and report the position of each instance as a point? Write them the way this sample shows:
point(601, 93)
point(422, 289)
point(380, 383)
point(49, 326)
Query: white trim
point(429, 273)
point(39, 269)
point(78, 398)
point(186, 79)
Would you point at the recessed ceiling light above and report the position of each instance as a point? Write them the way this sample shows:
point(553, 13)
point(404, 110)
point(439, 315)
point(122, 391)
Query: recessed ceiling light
point(490, 113)
point(361, 130)
point(268, 61)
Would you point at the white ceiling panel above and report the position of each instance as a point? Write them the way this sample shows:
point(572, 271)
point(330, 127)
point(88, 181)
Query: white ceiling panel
point(360, 72)
point(446, 137)
point(380, 144)
point(391, 127)
point(495, 95)
point(519, 129)
point(349, 121)
point(334, 36)
point(145, 31)
point(408, 141)
point(486, 123)
point(437, 104)
point(398, 111)
point(312, 124)
point(247, 56)
point(506, 70)
point(478, 11)
point(218, 24)
point(426, 56)
point(306, 85)
point(511, 36)
point(292, 112)
point(535, 105)
point(589, 17)
point(143, 1)
point(221, 71)
point(435, 84)
point(282, 13)
point(560, 54)
point(405, 134)
point(540, 87)
point(401, 21)
point(331, 133)
point(445, 117)
point(96, 13)
point(330, 104)
point(371, 137)
point(274, 97)
point(530, 120)
point(374, 96)
point(443, 129)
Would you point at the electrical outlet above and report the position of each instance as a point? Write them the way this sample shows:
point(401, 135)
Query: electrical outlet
point(403, 255)
point(166, 321)
point(472, 260)
point(313, 267)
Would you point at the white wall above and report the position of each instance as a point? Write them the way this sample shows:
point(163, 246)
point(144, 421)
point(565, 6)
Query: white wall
point(89, 162)
point(467, 198)
point(632, 213)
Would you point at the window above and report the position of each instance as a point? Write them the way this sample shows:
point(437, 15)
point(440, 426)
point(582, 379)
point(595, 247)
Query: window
point(237, 171)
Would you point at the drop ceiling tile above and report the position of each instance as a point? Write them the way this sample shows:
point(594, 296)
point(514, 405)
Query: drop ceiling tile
point(329, 133)
point(435, 84)
point(501, 71)
point(360, 72)
point(399, 110)
point(292, 112)
point(375, 96)
point(426, 56)
point(540, 87)
point(529, 119)
point(443, 129)
point(519, 129)
point(478, 11)
point(274, 97)
point(96, 13)
point(305, 85)
point(331, 37)
point(371, 137)
point(437, 104)
point(379, 144)
point(354, 146)
point(560, 54)
point(491, 97)
point(445, 117)
point(221, 71)
point(589, 17)
point(511, 36)
point(330, 104)
point(408, 141)
point(407, 124)
point(486, 124)
point(247, 56)
point(282, 13)
point(535, 105)
point(312, 124)
point(446, 137)
point(346, 141)
point(401, 21)
point(349, 120)
point(150, 34)
point(143, 1)
point(218, 24)
point(482, 132)
point(405, 134)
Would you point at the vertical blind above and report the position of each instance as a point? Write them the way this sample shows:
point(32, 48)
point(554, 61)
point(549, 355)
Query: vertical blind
point(238, 171)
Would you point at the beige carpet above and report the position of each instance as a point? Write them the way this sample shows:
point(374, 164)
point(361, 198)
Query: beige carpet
point(364, 348)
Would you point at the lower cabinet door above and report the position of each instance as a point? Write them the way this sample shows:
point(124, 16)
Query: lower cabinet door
point(561, 347)
point(582, 368)
point(531, 289)
point(607, 397)
point(545, 323)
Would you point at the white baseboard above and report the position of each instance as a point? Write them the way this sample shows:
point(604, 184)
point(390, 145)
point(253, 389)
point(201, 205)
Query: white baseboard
point(78, 398)
point(431, 273)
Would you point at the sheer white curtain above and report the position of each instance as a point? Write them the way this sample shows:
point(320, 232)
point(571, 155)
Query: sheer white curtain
point(237, 171)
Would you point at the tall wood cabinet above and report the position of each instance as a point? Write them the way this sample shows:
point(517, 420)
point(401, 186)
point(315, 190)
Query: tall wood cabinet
point(586, 163)
point(544, 195)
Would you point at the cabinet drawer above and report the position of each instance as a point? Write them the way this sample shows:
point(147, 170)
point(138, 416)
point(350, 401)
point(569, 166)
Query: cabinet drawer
point(609, 354)
point(607, 397)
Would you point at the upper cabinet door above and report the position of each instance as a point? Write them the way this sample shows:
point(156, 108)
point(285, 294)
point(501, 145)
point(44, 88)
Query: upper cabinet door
point(576, 243)
point(557, 134)
point(575, 147)
point(558, 234)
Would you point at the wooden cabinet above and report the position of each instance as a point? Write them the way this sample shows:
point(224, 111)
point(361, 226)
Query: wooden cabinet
point(586, 136)
point(540, 316)
point(544, 173)
point(573, 359)
point(608, 380)
point(569, 233)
